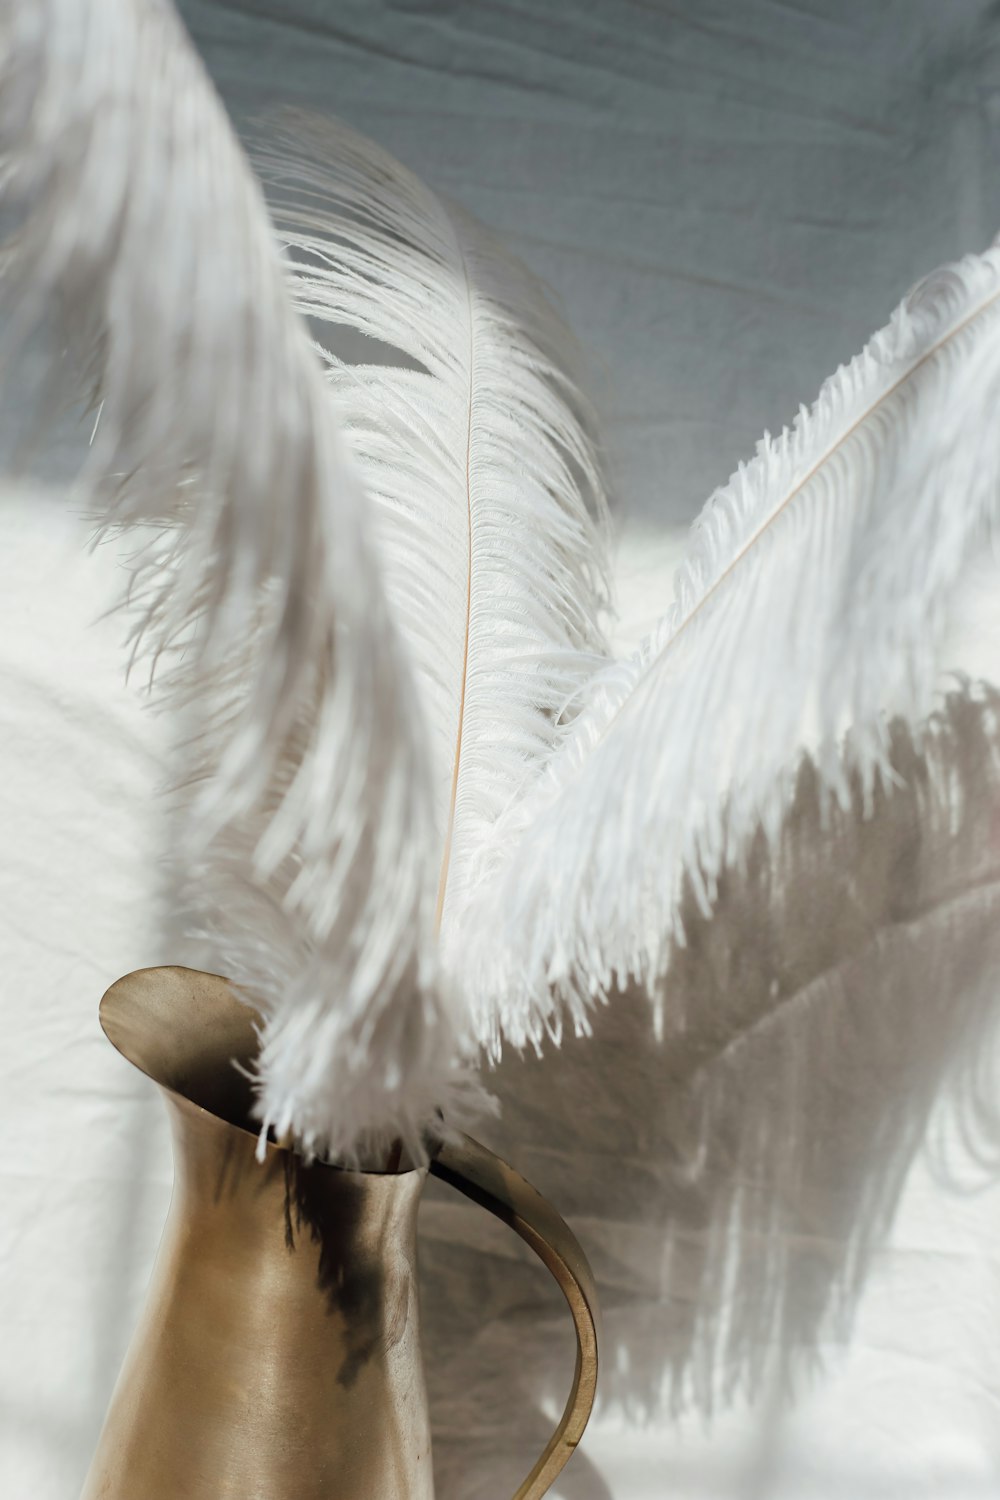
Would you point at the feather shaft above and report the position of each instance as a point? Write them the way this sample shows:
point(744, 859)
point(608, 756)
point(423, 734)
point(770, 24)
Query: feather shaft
point(480, 454)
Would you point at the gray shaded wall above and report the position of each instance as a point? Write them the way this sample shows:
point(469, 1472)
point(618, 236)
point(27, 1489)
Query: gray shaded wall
point(727, 195)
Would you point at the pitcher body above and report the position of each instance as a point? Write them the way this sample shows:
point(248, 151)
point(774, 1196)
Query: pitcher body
point(278, 1355)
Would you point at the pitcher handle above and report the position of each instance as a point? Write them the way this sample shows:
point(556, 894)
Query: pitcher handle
point(487, 1180)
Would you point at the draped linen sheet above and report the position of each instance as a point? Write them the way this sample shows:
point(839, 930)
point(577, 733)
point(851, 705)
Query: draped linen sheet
point(795, 1242)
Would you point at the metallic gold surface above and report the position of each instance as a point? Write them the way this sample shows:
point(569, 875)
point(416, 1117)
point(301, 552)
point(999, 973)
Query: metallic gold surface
point(483, 1177)
point(278, 1354)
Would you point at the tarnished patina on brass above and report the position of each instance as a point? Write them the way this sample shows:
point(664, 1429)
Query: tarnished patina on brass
point(278, 1355)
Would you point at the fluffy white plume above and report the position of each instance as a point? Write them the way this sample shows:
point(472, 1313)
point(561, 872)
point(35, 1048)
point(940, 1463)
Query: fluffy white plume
point(812, 600)
point(479, 450)
point(307, 857)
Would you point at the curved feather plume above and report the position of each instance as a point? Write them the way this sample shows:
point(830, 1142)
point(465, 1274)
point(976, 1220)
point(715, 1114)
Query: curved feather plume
point(478, 449)
point(307, 857)
point(812, 600)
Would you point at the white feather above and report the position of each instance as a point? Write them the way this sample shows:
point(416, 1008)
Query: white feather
point(812, 600)
point(478, 449)
point(306, 855)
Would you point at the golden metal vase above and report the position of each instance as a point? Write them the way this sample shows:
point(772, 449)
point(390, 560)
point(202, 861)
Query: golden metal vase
point(278, 1356)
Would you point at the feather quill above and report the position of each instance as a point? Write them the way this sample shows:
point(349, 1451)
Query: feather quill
point(480, 453)
point(812, 600)
point(141, 234)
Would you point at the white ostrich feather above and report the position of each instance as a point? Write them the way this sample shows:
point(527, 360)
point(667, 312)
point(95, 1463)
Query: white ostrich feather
point(812, 601)
point(479, 451)
point(307, 853)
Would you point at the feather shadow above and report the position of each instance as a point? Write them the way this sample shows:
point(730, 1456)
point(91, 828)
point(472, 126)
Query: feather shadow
point(733, 1178)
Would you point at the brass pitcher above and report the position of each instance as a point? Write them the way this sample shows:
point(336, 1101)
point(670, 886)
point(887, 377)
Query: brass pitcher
point(278, 1354)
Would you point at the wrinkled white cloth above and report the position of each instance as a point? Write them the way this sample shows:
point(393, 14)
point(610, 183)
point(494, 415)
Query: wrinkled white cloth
point(728, 198)
point(902, 1394)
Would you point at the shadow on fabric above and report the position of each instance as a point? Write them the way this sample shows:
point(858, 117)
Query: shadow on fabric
point(731, 1181)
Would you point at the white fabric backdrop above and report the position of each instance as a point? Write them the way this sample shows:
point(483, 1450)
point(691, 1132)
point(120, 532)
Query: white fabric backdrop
point(728, 198)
